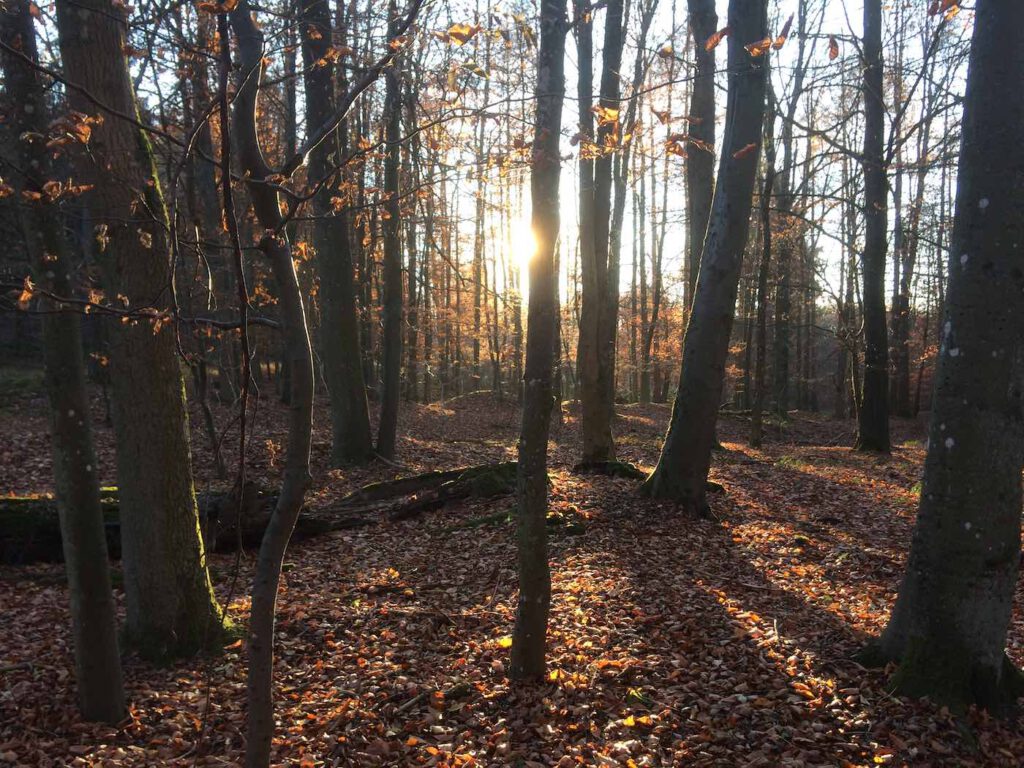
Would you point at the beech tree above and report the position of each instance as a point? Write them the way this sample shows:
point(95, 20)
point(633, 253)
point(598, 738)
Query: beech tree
point(93, 618)
point(682, 469)
point(170, 604)
point(873, 421)
point(598, 261)
point(529, 637)
point(948, 628)
point(351, 438)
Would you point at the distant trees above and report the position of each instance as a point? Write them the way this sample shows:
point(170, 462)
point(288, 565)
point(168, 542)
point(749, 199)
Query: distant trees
point(529, 639)
point(682, 469)
point(170, 604)
point(948, 629)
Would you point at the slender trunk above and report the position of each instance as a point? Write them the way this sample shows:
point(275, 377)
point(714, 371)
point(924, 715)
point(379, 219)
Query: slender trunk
point(873, 424)
point(392, 337)
point(700, 153)
point(529, 638)
point(757, 407)
point(682, 469)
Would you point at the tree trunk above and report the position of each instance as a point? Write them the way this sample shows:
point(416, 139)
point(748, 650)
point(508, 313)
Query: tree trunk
point(598, 313)
point(529, 636)
point(682, 469)
point(93, 617)
point(757, 407)
point(171, 609)
point(700, 154)
point(295, 480)
point(873, 426)
point(392, 336)
point(340, 347)
point(950, 621)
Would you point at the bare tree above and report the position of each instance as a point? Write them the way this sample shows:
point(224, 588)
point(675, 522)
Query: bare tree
point(75, 471)
point(529, 637)
point(682, 469)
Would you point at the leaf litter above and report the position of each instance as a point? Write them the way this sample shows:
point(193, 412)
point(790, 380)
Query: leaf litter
point(672, 641)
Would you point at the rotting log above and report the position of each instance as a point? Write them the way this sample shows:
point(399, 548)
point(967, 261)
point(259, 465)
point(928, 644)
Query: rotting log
point(30, 527)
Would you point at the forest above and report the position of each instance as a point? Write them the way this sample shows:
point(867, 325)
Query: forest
point(511, 383)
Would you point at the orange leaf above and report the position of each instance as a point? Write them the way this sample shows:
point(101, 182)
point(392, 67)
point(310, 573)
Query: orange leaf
point(759, 47)
point(833, 48)
point(781, 39)
point(712, 42)
point(26, 294)
point(460, 34)
point(606, 115)
point(741, 153)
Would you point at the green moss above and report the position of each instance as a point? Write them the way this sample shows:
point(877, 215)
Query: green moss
point(490, 480)
point(791, 462)
point(872, 655)
point(16, 382)
point(206, 636)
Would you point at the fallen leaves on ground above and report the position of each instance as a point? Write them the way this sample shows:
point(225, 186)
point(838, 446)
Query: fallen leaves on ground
point(672, 641)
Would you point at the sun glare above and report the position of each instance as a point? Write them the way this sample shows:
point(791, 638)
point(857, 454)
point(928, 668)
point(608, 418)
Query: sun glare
point(523, 245)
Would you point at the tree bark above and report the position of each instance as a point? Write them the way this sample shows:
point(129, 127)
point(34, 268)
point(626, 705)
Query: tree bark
point(93, 617)
point(341, 350)
point(391, 388)
point(529, 636)
point(682, 469)
point(873, 424)
point(950, 621)
point(700, 154)
point(171, 609)
point(599, 310)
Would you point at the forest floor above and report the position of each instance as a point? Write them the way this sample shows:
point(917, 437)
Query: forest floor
point(719, 642)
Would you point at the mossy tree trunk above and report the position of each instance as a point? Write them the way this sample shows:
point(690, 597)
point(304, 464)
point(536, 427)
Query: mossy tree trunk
point(93, 618)
point(529, 639)
point(949, 625)
point(682, 471)
point(171, 609)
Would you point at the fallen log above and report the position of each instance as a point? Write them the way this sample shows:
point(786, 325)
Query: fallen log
point(30, 526)
point(610, 468)
point(498, 478)
point(429, 492)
